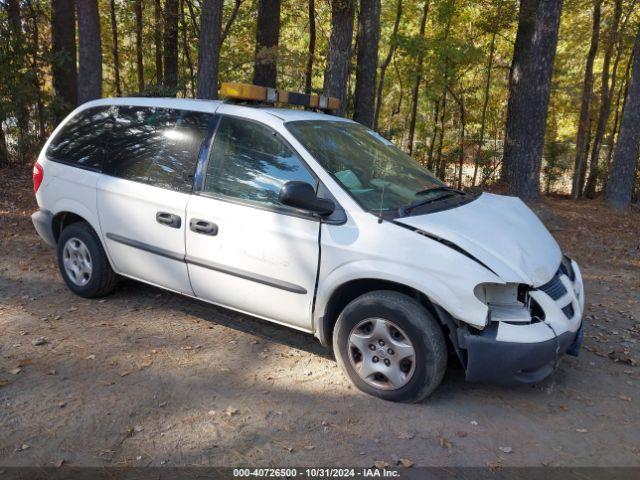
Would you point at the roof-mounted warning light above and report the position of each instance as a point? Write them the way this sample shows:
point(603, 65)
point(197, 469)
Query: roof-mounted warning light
point(256, 93)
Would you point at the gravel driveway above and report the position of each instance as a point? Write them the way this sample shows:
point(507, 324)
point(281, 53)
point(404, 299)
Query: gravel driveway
point(146, 377)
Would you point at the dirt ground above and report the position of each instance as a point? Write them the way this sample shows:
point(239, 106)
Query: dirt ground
point(146, 377)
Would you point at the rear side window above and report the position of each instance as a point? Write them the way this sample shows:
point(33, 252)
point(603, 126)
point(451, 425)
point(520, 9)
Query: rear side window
point(82, 140)
point(156, 146)
point(250, 162)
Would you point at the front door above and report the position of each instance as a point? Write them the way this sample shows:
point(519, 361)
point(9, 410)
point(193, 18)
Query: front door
point(245, 250)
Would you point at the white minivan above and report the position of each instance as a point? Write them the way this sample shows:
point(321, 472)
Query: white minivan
point(314, 222)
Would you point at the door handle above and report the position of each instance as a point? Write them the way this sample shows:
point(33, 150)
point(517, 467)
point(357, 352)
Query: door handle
point(204, 227)
point(168, 219)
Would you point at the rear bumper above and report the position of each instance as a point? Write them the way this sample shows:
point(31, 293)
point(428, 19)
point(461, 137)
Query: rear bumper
point(512, 353)
point(43, 223)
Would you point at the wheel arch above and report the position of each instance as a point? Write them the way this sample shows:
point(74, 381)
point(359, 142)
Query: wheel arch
point(352, 289)
point(69, 211)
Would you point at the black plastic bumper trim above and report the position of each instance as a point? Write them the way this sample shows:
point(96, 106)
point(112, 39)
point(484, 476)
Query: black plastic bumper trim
point(510, 363)
point(43, 223)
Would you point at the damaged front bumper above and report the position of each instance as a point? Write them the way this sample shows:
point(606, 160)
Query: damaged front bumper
point(515, 352)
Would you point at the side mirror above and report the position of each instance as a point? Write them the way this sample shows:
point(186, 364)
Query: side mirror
point(301, 195)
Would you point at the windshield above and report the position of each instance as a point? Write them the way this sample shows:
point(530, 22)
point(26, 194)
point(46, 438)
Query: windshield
point(381, 177)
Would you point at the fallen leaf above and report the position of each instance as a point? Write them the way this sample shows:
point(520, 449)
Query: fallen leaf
point(39, 341)
point(405, 462)
point(146, 364)
point(444, 443)
point(138, 428)
point(125, 373)
point(506, 449)
point(581, 430)
point(230, 411)
point(380, 464)
point(624, 397)
point(90, 357)
point(59, 463)
point(309, 447)
point(406, 435)
point(62, 404)
point(15, 371)
point(3, 382)
point(24, 446)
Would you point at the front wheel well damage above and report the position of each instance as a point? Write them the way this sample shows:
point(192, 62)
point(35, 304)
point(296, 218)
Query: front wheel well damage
point(349, 291)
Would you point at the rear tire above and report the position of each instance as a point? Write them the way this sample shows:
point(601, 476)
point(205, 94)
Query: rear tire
point(390, 346)
point(83, 263)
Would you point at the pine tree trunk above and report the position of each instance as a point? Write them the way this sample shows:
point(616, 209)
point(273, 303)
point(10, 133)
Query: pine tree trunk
point(339, 56)
point(308, 74)
point(209, 52)
point(383, 67)
point(463, 125)
point(158, 35)
point(35, 13)
point(170, 44)
point(620, 98)
point(367, 62)
point(116, 56)
point(622, 175)
point(529, 89)
point(18, 51)
point(434, 134)
point(139, 63)
point(605, 103)
point(90, 51)
point(485, 104)
point(186, 49)
point(267, 35)
point(587, 93)
point(63, 65)
point(440, 160)
point(4, 151)
point(416, 83)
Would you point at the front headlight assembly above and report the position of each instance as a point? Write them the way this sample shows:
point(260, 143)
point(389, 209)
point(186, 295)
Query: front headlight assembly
point(509, 303)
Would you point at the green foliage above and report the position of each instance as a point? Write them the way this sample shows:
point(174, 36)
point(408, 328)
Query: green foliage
point(452, 57)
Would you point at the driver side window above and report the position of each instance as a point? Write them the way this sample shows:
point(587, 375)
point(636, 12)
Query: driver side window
point(250, 162)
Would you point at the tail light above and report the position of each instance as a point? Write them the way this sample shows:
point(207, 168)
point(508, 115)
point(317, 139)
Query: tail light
point(38, 176)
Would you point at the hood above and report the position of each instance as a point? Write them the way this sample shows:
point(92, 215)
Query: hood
point(501, 232)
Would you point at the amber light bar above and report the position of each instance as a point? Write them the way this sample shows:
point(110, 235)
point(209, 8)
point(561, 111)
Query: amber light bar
point(256, 93)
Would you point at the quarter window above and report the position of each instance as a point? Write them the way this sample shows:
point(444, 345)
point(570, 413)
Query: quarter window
point(156, 146)
point(82, 140)
point(250, 162)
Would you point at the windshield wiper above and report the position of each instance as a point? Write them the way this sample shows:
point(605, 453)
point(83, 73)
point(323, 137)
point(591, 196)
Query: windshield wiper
point(441, 188)
point(406, 209)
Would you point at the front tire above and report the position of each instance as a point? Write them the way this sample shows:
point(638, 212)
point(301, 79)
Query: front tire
point(83, 262)
point(390, 346)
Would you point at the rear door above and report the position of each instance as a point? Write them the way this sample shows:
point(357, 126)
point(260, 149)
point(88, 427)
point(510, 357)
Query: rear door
point(142, 199)
point(245, 250)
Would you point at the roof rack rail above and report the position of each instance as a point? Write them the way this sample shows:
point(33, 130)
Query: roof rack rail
point(256, 93)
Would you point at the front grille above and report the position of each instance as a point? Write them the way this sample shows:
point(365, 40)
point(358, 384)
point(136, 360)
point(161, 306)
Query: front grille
point(554, 287)
point(568, 311)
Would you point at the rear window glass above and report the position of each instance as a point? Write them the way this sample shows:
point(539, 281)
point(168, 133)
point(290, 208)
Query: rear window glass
point(156, 146)
point(81, 141)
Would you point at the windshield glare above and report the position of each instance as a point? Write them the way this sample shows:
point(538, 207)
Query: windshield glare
point(375, 172)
